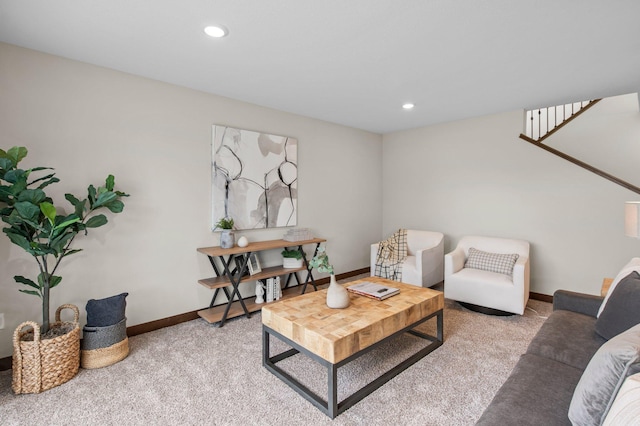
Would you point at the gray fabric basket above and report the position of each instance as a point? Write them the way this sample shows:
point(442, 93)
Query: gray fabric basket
point(103, 337)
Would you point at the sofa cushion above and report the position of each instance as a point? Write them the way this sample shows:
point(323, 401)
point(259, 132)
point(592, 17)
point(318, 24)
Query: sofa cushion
point(493, 262)
point(105, 312)
point(607, 370)
point(633, 265)
point(621, 311)
point(567, 337)
point(538, 392)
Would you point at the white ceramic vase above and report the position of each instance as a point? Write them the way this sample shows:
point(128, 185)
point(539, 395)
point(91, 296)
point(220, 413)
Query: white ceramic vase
point(337, 296)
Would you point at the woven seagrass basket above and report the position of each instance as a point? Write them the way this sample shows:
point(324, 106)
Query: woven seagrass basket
point(103, 357)
point(104, 346)
point(42, 364)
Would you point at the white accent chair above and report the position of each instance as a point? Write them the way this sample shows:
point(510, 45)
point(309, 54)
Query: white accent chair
point(424, 265)
point(475, 288)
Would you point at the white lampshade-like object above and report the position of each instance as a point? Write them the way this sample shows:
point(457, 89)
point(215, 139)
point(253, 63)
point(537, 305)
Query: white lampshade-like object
point(632, 219)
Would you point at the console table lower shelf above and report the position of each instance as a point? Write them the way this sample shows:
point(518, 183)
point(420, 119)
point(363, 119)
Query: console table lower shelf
point(216, 313)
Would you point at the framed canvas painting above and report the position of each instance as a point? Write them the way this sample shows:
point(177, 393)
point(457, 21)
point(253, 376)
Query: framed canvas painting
point(254, 178)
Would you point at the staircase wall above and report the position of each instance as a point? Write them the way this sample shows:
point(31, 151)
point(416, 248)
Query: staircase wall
point(607, 136)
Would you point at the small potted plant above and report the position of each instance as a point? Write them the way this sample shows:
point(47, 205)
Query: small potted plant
point(227, 236)
point(291, 258)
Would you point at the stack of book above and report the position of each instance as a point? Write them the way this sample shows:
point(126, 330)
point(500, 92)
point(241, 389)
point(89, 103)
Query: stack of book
point(298, 234)
point(273, 290)
point(373, 290)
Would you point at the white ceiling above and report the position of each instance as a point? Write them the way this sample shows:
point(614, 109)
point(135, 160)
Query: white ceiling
point(353, 62)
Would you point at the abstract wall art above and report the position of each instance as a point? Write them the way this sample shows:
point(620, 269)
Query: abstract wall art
point(254, 178)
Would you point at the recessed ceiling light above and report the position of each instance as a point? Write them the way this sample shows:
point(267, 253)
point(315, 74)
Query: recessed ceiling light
point(216, 31)
point(408, 105)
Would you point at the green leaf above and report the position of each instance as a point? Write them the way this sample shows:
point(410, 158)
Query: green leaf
point(34, 196)
point(19, 240)
point(12, 176)
point(91, 190)
point(104, 198)
point(110, 182)
point(27, 210)
point(115, 206)
point(19, 186)
point(39, 249)
point(49, 182)
point(16, 154)
point(26, 281)
point(72, 219)
point(41, 178)
point(54, 280)
point(35, 293)
point(96, 221)
point(70, 252)
point(49, 211)
point(77, 204)
point(72, 199)
point(6, 164)
point(58, 244)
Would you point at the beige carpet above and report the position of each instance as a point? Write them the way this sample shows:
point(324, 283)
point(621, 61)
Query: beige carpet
point(197, 374)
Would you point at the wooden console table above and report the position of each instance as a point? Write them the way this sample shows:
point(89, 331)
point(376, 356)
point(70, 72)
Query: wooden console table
point(230, 274)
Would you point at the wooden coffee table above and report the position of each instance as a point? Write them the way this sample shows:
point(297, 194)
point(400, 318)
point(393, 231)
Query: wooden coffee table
point(334, 337)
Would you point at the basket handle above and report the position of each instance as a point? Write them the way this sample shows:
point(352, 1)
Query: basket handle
point(36, 332)
point(17, 357)
point(74, 308)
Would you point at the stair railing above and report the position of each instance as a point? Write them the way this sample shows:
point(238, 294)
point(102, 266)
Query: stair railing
point(543, 122)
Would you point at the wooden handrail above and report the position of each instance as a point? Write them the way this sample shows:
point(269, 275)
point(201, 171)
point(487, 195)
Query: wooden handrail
point(582, 164)
point(568, 120)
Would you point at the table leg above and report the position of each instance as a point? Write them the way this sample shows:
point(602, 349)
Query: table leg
point(235, 283)
point(309, 274)
point(332, 386)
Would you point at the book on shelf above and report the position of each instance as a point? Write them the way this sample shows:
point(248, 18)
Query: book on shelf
point(273, 289)
point(269, 290)
point(374, 290)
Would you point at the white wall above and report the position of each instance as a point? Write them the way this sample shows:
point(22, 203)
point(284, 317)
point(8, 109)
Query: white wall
point(476, 177)
point(87, 122)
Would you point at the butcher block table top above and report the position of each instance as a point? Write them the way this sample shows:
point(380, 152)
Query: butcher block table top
point(336, 334)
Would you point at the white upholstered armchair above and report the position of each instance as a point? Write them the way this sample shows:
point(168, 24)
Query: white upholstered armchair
point(424, 264)
point(486, 285)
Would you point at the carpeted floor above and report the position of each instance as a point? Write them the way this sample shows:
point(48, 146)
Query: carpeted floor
point(197, 374)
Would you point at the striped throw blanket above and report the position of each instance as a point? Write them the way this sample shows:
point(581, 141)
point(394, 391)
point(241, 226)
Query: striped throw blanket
point(391, 253)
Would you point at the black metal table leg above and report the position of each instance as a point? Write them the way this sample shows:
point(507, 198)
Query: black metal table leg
point(332, 387)
point(309, 274)
point(235, 284)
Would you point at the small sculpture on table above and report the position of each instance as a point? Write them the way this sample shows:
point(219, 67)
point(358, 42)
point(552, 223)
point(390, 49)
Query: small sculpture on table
point(259, 292)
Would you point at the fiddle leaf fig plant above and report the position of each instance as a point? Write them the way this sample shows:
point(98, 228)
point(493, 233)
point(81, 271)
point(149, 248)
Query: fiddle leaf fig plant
point(33, 222)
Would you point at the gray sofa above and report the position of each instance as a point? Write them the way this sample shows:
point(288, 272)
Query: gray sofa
point(541, 386)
